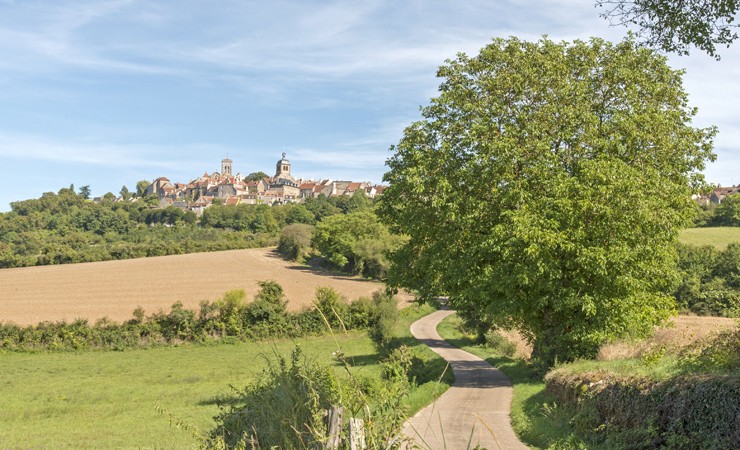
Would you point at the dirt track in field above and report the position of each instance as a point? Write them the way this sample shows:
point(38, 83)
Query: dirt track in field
point(115, 288)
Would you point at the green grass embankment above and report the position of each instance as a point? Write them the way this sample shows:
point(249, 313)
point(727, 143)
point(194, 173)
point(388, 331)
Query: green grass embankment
point(107, 399)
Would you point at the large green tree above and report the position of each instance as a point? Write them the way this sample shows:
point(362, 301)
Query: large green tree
point(676, 26)
point(544, 189)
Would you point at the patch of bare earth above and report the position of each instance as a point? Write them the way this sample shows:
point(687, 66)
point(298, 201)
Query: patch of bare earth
point(114, 289)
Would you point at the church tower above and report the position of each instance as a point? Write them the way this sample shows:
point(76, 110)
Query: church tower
point(226, 167)
point(282, 169)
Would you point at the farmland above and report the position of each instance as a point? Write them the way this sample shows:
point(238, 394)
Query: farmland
point(719, 237)
point(114, 289)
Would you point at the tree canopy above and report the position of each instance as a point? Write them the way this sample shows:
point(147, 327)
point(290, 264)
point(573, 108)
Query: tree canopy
point(256, 176)
point(676, 26)
point(544, 189)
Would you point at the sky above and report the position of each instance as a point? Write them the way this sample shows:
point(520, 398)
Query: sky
point(107, 93)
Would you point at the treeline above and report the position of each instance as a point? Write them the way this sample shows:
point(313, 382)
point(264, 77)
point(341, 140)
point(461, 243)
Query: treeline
point(66, 227)
point(726, 214)
point(229, 317)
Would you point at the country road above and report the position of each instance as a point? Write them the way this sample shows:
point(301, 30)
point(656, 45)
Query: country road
point(474, 411)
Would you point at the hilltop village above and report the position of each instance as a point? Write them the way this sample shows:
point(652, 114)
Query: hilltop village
point(235, 189)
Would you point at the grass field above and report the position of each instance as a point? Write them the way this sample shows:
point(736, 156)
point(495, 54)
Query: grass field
point(716, 236)
point(110, 399)
point(115, 288)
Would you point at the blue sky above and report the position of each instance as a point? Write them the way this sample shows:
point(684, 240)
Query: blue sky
point(106, 93)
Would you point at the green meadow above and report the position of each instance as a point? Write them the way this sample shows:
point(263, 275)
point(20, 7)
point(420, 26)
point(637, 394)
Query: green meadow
point(719, 237)
point(158, 397)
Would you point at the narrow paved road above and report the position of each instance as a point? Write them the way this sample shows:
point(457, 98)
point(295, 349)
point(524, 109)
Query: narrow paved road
point(474, 411)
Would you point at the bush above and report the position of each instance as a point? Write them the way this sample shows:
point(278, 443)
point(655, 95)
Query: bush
point(360, 313)
point(384, 320)
point(267, 314)
point(499, 344)
point(295, 241)
point(332, 306)
point(696, 408)
point(720, 353)
point(286, 408)
point(283, 409)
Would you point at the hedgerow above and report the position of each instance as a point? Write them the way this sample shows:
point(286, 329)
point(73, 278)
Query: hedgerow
point(228, 317)
point(696, 408)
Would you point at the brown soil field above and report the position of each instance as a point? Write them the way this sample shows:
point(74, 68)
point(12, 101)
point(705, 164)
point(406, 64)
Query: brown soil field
point(113, 289)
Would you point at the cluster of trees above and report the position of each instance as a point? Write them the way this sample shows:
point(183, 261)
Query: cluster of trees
point(356, 242)
point(726, 214)
point(710, 280)
point(66, 227)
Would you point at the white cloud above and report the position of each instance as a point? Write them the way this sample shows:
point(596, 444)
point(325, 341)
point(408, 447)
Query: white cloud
point(102, 154)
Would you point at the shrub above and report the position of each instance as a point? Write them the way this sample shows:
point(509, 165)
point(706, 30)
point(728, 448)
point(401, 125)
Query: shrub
point(226, 318)
point(360, 313)
point(295, 241)
point(719, 353)
point(695, 410)
point(500, 344)
point(283, 409)
point(286, 408)
point(331, 305)
point(267, 314)
point(384, 321)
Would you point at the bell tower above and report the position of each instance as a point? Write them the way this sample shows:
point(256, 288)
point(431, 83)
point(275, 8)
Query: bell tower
point(226, 167)
point(282, 169)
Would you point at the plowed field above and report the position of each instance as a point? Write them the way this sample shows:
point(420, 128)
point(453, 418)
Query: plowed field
point(115, 288)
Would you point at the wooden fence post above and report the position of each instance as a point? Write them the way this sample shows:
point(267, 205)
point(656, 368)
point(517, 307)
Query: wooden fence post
point(357, 434)
point(334, 427)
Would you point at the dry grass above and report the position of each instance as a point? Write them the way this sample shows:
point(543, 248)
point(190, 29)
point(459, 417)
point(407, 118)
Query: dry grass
point(114, 289)
point(523, 347)
point(682, 331)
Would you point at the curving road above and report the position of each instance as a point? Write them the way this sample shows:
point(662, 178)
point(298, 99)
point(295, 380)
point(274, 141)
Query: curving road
point(474, 411)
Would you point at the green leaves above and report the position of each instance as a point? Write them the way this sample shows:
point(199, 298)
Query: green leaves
point(544, 189)
point(676, 26)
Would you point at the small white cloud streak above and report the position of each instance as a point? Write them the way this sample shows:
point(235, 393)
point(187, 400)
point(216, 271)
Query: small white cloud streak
point(103, 154)
point(353, 159)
